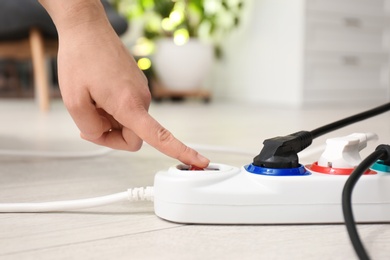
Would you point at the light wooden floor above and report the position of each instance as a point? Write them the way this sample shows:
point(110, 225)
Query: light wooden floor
point(132, 231)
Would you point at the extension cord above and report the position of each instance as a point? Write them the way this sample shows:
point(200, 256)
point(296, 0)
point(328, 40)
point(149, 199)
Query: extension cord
point(131, 194)
point(223, 194)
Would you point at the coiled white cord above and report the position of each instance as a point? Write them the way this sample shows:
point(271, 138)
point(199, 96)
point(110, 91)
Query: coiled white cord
point(134, 194)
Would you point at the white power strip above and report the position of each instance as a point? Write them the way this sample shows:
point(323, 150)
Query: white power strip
point(225, 194)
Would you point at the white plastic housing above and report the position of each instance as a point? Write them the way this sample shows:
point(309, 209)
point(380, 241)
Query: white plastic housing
point(234, 196)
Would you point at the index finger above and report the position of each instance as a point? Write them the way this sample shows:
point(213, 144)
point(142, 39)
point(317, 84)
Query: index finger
point(152, 132)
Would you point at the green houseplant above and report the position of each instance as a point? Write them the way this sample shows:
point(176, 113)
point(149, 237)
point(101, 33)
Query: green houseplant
point(181, 24)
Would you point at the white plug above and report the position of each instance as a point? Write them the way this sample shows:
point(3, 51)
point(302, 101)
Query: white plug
point(343, 152)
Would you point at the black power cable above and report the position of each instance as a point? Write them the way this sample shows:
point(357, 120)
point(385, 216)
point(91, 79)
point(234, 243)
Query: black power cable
point(350, 120)
point(382, 152)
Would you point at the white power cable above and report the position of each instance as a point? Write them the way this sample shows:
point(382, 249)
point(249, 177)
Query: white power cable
point(134, 194)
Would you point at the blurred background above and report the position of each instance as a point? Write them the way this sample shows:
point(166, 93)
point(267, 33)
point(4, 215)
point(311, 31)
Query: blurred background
point(273, 52)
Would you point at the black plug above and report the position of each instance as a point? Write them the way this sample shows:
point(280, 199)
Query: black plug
point(282, 152)
point(386, 156)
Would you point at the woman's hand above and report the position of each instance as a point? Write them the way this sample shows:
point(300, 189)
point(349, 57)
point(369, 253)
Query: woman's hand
point(103, 89)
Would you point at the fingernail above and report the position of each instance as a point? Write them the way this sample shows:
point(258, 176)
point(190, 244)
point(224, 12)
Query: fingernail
point(203, 160)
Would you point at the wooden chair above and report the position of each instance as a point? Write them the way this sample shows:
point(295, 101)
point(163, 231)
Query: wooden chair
point(36, 48)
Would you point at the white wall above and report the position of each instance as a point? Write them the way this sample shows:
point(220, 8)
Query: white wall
point(264, 60)
point(262, 57)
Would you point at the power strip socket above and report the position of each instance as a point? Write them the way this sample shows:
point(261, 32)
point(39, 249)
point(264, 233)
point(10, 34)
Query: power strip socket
point(223, 194)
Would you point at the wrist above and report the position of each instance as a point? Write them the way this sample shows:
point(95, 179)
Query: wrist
point(76, 15)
